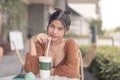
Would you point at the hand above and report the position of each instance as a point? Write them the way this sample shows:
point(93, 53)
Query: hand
point(42, 38)
point(51, 71)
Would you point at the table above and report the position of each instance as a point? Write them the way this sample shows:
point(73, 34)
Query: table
point(38, 78)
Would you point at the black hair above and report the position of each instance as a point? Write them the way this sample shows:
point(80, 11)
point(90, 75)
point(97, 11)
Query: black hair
point(63, 16)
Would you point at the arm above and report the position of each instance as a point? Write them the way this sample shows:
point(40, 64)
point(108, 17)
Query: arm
point(32, 58)
point(71, 66)
point(32, 61)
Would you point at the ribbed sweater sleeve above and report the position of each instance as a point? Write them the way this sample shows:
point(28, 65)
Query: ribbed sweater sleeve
point(32, 62)
point(71, 66)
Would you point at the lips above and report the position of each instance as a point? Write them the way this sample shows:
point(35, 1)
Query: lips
point(53, 36)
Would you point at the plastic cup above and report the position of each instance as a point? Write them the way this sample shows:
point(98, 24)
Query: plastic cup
point(45, 66)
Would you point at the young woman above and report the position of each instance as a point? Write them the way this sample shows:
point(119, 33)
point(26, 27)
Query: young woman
point(64, 52)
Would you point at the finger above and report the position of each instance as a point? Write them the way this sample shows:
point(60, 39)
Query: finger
point(45, 40)
point(39, 40)
point(49, 38)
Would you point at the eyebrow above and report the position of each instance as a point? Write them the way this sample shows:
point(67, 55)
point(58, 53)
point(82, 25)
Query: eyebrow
point(58, 25)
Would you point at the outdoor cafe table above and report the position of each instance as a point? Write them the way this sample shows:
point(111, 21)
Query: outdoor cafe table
point(38, 78)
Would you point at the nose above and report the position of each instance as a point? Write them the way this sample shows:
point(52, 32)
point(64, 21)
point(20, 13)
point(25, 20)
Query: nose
point(55, 30)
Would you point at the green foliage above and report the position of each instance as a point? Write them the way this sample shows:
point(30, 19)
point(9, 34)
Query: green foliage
point(76, 36)
point(104, 37)
point(117, 29)
point(14, 16)
point(98, 23)
point(106, 64)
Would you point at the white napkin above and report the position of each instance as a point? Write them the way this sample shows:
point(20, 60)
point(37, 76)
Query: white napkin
point(57, 78)
point(63, 78)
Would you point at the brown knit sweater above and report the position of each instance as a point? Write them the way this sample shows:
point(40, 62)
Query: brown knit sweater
point(68, 67)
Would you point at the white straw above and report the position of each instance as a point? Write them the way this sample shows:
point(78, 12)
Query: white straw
point(48, 46)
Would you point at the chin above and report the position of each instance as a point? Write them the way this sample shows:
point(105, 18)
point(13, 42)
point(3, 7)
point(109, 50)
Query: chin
point(54, 39)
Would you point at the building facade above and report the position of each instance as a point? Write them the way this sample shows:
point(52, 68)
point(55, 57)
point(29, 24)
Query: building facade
point(38, 14)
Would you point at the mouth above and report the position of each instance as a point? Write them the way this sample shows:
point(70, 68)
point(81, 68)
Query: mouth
point(53, 36)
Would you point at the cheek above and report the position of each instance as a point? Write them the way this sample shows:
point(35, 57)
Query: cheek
point(62, 34)
point(48, 30)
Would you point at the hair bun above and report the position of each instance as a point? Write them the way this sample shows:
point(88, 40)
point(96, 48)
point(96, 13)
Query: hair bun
point(68, 12)
point(57, 9)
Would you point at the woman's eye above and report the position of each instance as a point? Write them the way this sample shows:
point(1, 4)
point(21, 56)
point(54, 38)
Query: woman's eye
point(61, 28)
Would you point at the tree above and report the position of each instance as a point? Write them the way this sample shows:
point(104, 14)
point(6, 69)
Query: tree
point(98, 23)
point(117, 29)
point(14, 16)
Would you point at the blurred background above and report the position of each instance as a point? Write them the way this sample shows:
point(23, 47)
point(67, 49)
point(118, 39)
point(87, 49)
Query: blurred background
point(93, 22)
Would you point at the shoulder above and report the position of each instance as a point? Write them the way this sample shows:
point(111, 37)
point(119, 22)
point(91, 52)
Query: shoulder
point(71, 47)
point(70, 41)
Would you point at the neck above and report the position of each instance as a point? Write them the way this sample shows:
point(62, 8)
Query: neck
point(57, 42)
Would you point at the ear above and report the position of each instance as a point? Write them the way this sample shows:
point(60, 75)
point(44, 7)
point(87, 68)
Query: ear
point(66, 32)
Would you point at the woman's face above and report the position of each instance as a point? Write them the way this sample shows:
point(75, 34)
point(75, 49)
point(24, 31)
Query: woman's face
point(56, 30)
